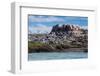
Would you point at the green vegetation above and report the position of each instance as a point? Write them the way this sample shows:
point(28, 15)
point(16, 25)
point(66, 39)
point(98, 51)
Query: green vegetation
point(35, 44)
point(38, 47)
point(44, 47)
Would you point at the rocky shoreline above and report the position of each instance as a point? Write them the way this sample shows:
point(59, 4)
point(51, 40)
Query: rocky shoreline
point(85, 50)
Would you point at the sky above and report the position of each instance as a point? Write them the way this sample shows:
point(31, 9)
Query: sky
point(44, 23)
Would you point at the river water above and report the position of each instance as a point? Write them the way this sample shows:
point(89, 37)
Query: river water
point(57, 55)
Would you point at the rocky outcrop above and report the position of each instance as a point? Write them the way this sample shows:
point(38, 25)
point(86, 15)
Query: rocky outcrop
point(67, 29)
point(60, 39)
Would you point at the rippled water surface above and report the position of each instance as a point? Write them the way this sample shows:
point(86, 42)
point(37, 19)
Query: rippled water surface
point(57, 55)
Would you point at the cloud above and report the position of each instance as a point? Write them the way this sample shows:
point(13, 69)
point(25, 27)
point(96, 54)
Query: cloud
point(45, 19)
point(39, 28)
point(84, 27)
point(75, 18)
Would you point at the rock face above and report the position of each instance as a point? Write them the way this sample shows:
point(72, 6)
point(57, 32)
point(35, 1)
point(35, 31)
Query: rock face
point(67, 29)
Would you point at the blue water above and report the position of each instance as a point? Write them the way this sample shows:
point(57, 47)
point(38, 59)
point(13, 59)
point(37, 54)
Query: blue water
point(57, 55)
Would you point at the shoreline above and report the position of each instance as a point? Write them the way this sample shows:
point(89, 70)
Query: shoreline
point(64, 50)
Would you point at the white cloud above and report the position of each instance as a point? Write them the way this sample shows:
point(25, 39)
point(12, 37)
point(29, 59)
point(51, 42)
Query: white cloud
point(40, 28)
point(45, 19)
point(84, 27)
